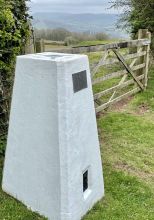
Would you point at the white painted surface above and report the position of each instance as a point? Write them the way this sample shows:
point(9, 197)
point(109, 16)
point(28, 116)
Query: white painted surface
point(53, 138)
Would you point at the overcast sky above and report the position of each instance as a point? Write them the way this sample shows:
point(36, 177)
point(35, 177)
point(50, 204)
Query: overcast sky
point(71, 6)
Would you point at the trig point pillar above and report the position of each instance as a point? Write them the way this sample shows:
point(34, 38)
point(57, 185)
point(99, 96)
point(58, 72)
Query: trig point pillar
point(53, 163)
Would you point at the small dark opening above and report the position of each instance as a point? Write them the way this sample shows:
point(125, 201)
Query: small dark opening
point(85, 181)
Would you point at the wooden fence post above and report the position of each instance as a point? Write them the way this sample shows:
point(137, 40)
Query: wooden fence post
point(40, 46)
point(147, 60)
point(142, 34)
point(29, 47)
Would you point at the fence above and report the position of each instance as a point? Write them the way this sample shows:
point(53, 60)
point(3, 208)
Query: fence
point(45, 45)
point(132, 56)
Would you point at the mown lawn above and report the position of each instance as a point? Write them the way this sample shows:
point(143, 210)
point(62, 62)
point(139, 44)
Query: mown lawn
point(126, 133)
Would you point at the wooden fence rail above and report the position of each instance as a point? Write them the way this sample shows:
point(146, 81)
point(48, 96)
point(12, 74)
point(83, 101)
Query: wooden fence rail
point(99, 47)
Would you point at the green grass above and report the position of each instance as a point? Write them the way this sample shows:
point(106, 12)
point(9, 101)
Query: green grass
point(126, 198)
point(127, 147)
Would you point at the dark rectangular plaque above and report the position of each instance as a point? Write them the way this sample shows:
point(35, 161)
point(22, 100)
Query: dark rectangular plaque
point(79, 81)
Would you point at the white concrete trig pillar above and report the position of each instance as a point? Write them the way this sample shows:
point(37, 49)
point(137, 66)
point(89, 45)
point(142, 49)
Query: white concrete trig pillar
point(53, 163)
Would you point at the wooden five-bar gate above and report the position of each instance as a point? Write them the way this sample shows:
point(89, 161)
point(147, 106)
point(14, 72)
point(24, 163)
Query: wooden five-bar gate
point(133, 58)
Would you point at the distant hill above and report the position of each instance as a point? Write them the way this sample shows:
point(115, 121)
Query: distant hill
point(79, 22)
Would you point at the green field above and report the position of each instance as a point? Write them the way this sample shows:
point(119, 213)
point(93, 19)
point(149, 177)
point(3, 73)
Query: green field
point(126, 133)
